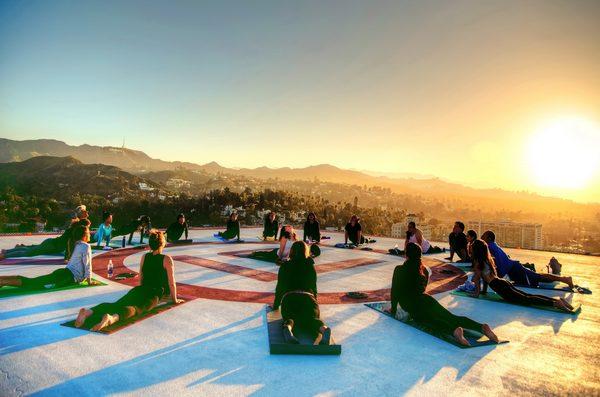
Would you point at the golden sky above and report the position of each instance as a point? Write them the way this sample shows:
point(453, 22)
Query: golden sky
point(491, 94)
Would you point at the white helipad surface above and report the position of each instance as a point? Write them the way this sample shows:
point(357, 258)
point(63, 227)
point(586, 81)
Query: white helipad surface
point(212, 347)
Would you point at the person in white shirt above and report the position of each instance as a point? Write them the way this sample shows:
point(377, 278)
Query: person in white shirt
point(79, 267)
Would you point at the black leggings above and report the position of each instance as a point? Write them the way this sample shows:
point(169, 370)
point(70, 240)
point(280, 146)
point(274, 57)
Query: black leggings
point(58, 278)
point(427, 310)
point(302, 310)
point(46, 247)
point(270, 256)
point(136, 301)
point(509, 293)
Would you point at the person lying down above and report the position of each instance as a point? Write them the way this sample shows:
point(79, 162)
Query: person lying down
point(157, 281)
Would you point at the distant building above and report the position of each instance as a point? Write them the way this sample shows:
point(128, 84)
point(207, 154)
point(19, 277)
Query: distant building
point(399, 229)
point(512, 234)
point(178, 183)
point(144, 186)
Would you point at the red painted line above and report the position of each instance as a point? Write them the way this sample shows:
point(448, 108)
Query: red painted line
point(228, 268)
point(320, 268)
point(440, 282)
point(28, 261)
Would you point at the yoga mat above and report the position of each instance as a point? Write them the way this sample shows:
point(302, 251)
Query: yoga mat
point(494, 297)
point(278, 345)
point(162, 307)
point(557, 287)
point(6, 292)
point(475, 339)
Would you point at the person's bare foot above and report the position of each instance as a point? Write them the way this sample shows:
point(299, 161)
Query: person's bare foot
point(289, 337)
point(325, 331)
point(559, 304)
point(459, 335)
point(107, 320)
point(82, 316)
point(569, 281)
point(566, 303)
point(487, 331)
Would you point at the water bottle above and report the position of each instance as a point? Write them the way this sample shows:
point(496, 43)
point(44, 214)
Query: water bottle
point(123, 243)
point(110, 268)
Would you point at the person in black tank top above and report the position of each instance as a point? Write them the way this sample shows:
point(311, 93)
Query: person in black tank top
point(296, 293)
point(157, 280)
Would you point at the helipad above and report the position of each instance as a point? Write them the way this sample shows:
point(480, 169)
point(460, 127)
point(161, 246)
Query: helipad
point(217, 343)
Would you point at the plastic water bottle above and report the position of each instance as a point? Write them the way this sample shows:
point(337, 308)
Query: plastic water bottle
point(110, 268)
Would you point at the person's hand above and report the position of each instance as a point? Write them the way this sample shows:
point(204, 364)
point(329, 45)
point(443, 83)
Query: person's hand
point(178, 301)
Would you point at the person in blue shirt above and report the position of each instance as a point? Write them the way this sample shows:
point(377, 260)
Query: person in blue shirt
point(104, 232)
point(518, 273)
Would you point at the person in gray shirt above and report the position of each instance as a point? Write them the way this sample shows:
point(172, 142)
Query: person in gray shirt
point(78, 269)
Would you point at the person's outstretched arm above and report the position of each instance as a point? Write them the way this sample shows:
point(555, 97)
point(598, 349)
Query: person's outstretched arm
point(476, 279)
point(279, 289)
point(281, 247)
point(99, 235)
point(170, 268)
point(87, 258)
point(394, 292)
point(318, 231)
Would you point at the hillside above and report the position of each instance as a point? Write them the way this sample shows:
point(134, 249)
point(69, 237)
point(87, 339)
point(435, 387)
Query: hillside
point(454, 195)
point(61, 177)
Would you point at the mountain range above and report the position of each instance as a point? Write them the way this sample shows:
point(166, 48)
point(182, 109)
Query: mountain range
point(139, 164)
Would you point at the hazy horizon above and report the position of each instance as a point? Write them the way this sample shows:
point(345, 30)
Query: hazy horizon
point(486, 94)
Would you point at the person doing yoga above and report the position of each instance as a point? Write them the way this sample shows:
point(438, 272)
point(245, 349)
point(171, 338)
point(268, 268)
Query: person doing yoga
point(296, 293)
point(471, 236)
point(408, 289)
point(278, 255)
point(77, 270)
point(312, 229)
point(415, 236)
point(271, 226)
point(104, 232)
point(157, 280)
point(177, 229)
point(515, 270)
point(50, 246)
point(485, 270)
point(353, 231)
point(141, 224)
point(458, 242)
point(233, 228)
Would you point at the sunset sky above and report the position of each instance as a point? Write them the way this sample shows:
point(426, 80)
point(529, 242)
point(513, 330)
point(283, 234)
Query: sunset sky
point(491, 94)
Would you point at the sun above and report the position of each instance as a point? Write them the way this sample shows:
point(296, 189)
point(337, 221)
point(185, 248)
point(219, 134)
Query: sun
point(564, 153)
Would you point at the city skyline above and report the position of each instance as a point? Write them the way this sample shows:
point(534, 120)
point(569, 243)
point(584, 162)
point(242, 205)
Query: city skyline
point(502, 95)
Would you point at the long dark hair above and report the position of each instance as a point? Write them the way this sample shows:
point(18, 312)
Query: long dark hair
point(299, 251)
point(481, 255)
point(313, 215)
point(414, 261)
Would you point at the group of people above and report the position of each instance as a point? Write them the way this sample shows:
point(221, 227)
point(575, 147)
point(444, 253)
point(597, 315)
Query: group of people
point(296, 290)
point(65, 243)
